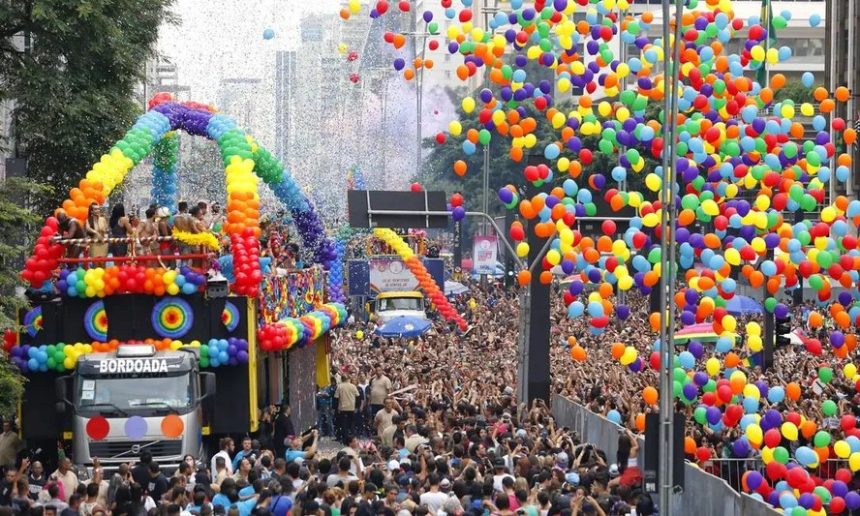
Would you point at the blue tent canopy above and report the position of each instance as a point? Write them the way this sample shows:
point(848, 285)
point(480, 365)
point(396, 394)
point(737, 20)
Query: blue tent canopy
point(740, 305)
point(404, 327)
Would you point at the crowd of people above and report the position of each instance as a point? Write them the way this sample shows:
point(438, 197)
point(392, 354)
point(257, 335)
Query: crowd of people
point(432, 426)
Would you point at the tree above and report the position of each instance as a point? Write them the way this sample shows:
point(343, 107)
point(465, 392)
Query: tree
point(16, 226)
point(72, 86)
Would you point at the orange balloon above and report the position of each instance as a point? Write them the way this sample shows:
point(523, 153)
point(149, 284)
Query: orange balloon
point(640, 422)
point(578, 353)
point(617, 350)
point(732, 359)
point(524, 278)
point(815, 320)
point(545, 277)
point(808, 428)
point(842, 94)
point(650, 395)
point(689, 445)
point(654, 321)
point(792, 390)
point(460, 167)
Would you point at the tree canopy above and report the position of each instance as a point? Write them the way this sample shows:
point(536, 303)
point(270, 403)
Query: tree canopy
point(72, 87)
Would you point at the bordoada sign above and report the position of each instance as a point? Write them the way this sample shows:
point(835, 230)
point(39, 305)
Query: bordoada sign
point(127, 365)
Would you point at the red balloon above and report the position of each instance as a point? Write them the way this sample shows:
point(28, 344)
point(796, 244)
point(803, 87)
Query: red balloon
point(608, 227)
point(703, 453)
point(775, 471)
point(772, 438)
point(837, 505)
point(415, 187)
point(456, 200)
point(796, 477)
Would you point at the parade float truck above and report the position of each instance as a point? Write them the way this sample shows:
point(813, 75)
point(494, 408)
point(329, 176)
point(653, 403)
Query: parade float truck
point(138, 399)
point(390, 305)
point(122, 353)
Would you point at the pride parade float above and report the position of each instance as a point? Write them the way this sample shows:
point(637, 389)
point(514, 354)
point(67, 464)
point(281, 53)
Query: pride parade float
point(169, 351)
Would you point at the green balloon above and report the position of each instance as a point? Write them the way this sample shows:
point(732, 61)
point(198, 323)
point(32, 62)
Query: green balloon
point(780, 455)
point(699, 415)
point(828, 408)
point(591, 209)
point(677, 389)
point(679, 375)
point(433, 27)
point(484, 136)
point(770, 305)
point(821, 439)
point(654, 255)
point(825, 374)
point(816, 282)
point(711, 386)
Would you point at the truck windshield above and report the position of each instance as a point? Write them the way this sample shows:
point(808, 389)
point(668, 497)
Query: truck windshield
point(135, 395)
point(401, 303)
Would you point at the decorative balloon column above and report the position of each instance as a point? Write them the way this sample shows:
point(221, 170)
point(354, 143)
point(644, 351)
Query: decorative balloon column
point(428, 285)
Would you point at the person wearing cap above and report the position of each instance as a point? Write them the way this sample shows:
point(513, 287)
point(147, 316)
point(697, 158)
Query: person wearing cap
point(434, 497)
point(500, 472)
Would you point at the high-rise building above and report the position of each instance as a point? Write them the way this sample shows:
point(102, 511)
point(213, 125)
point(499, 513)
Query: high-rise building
point(843, 20)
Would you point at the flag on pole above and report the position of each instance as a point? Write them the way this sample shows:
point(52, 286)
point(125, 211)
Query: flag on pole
point(770, 40)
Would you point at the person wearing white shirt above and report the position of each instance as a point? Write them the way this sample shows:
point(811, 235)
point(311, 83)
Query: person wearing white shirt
point(227, 447)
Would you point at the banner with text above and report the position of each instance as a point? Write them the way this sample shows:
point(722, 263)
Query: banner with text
point(484, 254)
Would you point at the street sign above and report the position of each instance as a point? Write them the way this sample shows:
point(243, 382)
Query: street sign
point(367, 209)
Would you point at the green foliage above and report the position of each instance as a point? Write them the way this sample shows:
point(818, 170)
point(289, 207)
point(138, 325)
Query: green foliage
point(795, 91)
point(73, 89)
point(17, 225)
point(11, 388)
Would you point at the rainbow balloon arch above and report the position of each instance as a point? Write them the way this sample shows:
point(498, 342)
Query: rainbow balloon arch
point(246, 163)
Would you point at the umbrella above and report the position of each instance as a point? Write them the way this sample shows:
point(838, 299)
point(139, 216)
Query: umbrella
point(404, 326)
point(454, 288)
point(740, 305)
point(701, 332)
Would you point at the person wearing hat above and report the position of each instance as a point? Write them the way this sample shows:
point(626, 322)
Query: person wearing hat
point(500, 472)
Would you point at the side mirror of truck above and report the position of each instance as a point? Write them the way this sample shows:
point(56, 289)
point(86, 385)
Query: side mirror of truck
point(208, 385)
point(61, 393)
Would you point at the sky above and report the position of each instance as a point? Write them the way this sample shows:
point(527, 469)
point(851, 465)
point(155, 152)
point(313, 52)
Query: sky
point(217, 39)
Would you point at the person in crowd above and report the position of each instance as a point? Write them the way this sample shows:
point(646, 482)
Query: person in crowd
point(97, 228)
point(226, 446)
point(71, 228)
point(247, 452)
point(65, 476)
point(162, 219)
point(147, 232)
point(346, 395)
point(120, 227)
point(10, 445)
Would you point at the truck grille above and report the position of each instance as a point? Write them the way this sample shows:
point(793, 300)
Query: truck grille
point(109, 449)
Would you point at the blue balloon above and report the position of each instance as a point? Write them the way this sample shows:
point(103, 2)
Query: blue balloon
point(807, 79)
point(268, 34)
point(776, 394)
point(687, 360)
point(815, 20)
point(614, 416)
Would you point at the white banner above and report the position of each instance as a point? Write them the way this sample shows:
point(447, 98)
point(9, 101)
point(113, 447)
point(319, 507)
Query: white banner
point(484, 254)
point(388, 274)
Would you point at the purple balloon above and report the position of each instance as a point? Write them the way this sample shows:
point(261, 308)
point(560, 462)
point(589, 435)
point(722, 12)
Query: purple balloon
point(837, 339)
point(839, 488)
point(754, 480)
point(713, 415)
point(623, 311)
point(690, 391)
point(852, 500)
point(695, 347)
point(740, 448)
point(780, 311)
point(806, 500)
point(700, 378)
point(688, 318)
point(636, 366)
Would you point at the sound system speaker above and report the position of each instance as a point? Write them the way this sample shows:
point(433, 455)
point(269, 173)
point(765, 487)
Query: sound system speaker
point(650, 474)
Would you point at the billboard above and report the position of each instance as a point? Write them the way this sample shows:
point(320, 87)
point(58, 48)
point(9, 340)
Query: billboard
point(484, 254)
point(388, 273)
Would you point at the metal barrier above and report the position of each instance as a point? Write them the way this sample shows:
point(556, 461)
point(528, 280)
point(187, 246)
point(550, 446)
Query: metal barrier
point(704, 494)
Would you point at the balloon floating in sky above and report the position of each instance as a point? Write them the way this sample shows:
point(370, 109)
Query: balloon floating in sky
point(268, 34)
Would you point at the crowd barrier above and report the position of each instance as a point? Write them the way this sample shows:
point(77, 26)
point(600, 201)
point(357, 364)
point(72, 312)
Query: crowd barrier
point(703, 495)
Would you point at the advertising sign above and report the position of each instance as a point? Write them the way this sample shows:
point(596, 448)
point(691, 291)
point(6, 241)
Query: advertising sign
point(484, 253)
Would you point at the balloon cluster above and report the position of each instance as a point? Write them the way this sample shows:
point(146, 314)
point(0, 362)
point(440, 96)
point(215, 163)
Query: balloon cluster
point(46, 255)
point(225, 265)
point(335, 274)
point(164, 159)
point(218, 352)
point(63, 357)
point(243, 224)
point(427, 283)
point(289, 332)
point(129, 279)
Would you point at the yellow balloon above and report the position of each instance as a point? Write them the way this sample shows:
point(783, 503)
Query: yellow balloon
point(854, 461)
point(753, 328)
point(455, 128)
point(754, 434)
point(842, 449)
point(522, 249)
point(712, 366)
point(789, 431)
point(468, 104)
point(849, 370)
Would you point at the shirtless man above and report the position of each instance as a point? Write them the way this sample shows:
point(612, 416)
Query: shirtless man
point(148, 229)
